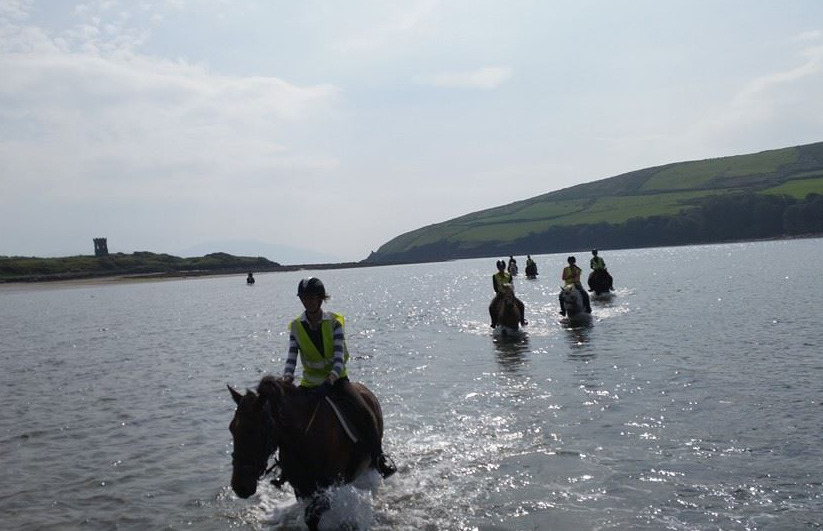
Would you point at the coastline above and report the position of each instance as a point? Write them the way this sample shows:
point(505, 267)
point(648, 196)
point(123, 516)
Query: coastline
point(66, 282)
point(12, 287)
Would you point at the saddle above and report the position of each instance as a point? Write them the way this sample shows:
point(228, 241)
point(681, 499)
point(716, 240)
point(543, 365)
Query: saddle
point(347, 426)
point(343, 409)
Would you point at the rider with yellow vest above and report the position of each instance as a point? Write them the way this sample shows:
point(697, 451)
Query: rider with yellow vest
point(571, 277)
point(499, 280)
point(501, 277)
point(597, 262)
point(319, 339)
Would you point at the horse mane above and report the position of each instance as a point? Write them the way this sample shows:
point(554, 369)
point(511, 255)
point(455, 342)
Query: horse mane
point(287, 400)
point(275, 388)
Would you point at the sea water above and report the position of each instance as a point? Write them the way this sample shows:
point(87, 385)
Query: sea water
point(692, 400)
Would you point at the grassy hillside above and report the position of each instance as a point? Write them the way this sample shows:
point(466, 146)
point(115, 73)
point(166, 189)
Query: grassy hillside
point(29, 269)
point(665, 191)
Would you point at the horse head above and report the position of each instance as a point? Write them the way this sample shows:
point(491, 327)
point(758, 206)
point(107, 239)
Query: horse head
point(254, 434)
point(572, 300)
point(508, 311)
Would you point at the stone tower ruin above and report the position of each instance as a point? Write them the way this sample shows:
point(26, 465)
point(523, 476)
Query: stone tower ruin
point(101, 248)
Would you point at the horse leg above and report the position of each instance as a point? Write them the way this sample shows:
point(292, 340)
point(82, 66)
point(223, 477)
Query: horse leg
point(585, 296)
point(494, 309)
point(357, 410)
point(318, 505)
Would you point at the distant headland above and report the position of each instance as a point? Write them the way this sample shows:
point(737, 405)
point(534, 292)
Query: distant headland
point(140, 265)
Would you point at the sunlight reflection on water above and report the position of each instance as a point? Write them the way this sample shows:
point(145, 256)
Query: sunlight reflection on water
point(652, 415)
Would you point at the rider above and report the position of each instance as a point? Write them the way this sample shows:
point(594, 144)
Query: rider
point(320, 340)
point(597, 263)
point(531, 266)
point(512, 265)
point(499, 279)
point(571, 277)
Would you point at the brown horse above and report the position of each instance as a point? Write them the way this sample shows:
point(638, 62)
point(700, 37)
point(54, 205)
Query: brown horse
point(600, 281)
point(507, 311)
point(315, 450)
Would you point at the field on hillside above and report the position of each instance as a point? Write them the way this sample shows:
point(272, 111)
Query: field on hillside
point(642, 196)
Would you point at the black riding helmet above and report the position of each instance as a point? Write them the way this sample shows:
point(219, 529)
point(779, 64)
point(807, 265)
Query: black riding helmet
point(571, 259)
point(311, 286)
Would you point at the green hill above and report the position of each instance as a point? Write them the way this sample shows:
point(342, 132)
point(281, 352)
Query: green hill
point(774, 193)
point(140, 264)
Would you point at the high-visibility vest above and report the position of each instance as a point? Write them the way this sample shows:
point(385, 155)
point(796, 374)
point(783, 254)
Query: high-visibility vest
point(571, 275)
point(500, 278)
point(316, 366)
point(597, 263)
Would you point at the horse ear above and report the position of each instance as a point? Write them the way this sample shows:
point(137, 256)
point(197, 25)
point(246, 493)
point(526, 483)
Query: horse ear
point(235, 395)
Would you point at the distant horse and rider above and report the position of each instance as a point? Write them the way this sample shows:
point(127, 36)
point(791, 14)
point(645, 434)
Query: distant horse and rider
point(600, 280)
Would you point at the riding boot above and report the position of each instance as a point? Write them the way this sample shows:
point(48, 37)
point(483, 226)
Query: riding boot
point(562, 307)
point(385, 465)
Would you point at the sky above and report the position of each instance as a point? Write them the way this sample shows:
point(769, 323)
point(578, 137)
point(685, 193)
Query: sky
point(318, 130)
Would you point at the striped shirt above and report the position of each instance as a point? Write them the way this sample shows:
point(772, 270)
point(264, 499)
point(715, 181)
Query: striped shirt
point(316, 335)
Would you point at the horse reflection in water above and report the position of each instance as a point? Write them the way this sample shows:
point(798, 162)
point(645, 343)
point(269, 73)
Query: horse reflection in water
point(511, 355)
point(315, 449)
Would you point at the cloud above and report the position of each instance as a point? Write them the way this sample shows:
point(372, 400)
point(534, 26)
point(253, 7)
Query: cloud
point(14, 10)
point(109, 137)
point(769, 111)
point(755, 92)
point(381, 29)
point(83, 114)
point(483, 78)
point(288, 119)
point(808, 36)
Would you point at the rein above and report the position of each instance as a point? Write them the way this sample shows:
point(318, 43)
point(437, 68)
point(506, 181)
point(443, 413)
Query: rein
point(269, 447)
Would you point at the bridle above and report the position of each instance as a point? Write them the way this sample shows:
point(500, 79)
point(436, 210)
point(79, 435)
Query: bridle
point(258, 465)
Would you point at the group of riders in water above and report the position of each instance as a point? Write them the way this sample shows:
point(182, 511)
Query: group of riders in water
point(507, 312)
point(327, 430)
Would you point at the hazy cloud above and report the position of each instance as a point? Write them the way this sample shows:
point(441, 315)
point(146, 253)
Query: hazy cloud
point(483, 78)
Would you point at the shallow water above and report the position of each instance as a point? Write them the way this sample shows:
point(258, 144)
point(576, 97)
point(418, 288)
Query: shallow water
point(693, 399)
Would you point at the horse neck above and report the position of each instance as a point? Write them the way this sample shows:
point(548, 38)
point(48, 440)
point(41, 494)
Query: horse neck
point(508, 313)
point(296, 411)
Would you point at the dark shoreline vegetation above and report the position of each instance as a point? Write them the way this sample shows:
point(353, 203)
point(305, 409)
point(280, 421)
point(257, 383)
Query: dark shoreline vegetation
point(140, 265)
point(721, 219)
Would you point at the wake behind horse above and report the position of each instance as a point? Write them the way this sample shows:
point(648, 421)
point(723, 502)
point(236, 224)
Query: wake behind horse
point(315, 450)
